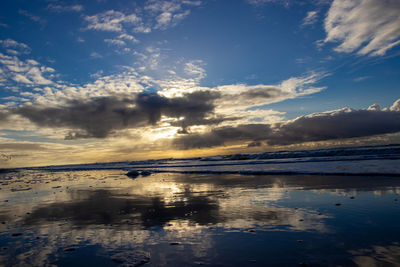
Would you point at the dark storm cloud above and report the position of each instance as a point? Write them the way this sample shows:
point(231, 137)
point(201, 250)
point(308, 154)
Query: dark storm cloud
point(194, 107)
point(219, 136)
point(339, 124)
point(101, 116)
point(3, 116)
point(260, 92)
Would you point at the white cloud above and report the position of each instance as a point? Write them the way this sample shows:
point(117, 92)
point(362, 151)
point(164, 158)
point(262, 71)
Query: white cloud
point(128, 37)
point(168, 13)
point(396, 106)
point(163, 19)
point(21, 79)
point(32, 62)
point(303, 60)
point(193, 3)
point(29, 72)
point(311, 18)
point(125, 83)
point(242, 97)
point(97, 74)
point(12, 52)
point(370, 27)
point(32, 16)
point(116, 42)
point(36, 76)
point(155, 14)
point(47, 69)
point(195, 69)
point(375, 107)
point(110, 21)
point(239, 99)
point(142, 29)
point(299, 86)
point(16, 46)
point(60, 8)
point(163, 6)
point(361, 78)
point(95, 55)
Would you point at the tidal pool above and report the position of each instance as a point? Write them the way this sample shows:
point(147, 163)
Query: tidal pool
point(104, 218)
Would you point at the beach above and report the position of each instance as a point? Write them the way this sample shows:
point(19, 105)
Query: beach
point(105, 218)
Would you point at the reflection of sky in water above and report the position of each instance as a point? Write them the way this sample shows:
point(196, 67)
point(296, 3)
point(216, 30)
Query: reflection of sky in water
point(224, 219)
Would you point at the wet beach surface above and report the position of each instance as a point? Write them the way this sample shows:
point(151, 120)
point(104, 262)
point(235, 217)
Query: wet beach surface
point(104, 218)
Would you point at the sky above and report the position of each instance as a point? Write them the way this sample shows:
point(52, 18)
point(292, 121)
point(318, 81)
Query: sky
point(103, 81)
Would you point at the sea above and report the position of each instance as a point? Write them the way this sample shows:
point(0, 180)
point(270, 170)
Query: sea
point(325, 207)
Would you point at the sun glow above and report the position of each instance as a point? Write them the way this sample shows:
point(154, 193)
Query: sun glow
point(166, 132)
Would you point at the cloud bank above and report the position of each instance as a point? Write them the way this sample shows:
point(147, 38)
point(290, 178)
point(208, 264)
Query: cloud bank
point(104, 116)
point(331, 125)
point(99, 117)
point(119, 102)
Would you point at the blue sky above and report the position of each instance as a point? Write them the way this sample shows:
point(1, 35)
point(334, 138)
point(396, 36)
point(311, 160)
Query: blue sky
point(117, 80)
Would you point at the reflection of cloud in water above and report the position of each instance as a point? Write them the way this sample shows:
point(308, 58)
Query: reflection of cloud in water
point(301, 182)
point(275, 219)
point(104, 207)
point(116, 221)
point(121, 211)
point(354, 192)
point(387, 191)
point(252, 208)
point(54, 238)
point(378, 256)
point(198, 243)
point(108, 210)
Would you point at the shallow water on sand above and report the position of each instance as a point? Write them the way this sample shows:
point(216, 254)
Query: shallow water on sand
point(104, 218)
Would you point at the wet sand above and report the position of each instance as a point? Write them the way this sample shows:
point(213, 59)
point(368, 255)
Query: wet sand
point(104, 218)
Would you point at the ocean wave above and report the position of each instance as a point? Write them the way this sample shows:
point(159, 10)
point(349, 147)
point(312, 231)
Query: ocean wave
point(374, 161)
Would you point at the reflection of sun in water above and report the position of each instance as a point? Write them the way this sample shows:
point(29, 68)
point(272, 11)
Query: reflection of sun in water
point(172, 188)
point(172, 191)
